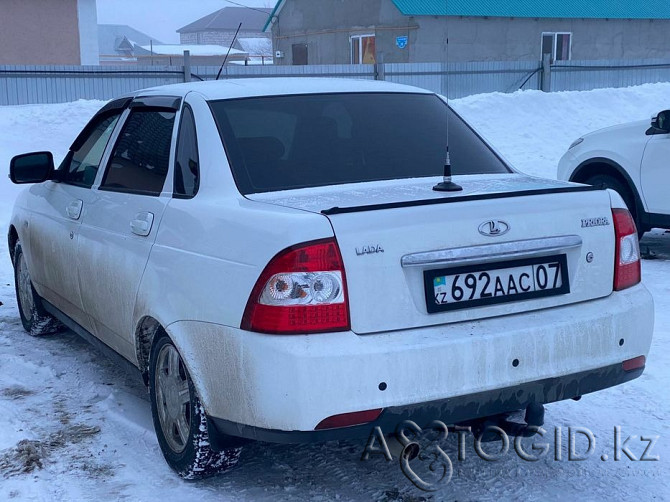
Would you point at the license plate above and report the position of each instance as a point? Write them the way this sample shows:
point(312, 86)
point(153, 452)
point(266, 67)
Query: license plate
point(502, 282)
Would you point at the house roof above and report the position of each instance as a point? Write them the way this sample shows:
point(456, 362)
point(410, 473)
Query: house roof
point(196, 50)
point(111, 35)
point(613, 9)
point(228, 19)
point(275, 12)
point(569, 9)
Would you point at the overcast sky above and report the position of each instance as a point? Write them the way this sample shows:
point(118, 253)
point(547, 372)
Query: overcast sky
point(161, 18)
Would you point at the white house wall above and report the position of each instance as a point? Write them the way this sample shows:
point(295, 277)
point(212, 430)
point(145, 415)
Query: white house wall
point(87, 15)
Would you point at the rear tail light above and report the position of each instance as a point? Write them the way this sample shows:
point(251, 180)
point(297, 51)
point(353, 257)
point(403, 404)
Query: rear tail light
point(302, 290)
point(627, 251)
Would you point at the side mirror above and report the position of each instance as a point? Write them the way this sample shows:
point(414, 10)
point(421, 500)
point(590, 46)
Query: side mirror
point(31, 168)
point(660, 124)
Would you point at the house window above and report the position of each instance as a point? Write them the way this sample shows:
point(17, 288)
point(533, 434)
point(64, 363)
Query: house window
point(363, 49)
point(557, 45)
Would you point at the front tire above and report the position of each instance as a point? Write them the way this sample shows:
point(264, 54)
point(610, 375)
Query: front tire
point(179, 417)
point(605, 181)
point(35, 319)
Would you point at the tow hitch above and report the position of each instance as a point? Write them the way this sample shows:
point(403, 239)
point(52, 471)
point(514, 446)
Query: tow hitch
point(510, 423)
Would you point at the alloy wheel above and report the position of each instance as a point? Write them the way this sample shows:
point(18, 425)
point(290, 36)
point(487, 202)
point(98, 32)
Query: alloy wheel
point(25, 289)
point(173, 398)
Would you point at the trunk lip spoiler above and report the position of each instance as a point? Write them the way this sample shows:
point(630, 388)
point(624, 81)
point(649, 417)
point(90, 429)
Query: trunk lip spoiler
point(458, 198)
point(491, 252)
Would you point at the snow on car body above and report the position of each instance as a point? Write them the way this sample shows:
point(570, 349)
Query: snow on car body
point(284, 270)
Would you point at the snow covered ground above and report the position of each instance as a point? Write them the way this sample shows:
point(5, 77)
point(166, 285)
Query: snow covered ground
point(74, 426)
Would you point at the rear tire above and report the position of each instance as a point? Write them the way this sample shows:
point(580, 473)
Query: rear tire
point(35, 319)
point(179, 417)
point(605, 181)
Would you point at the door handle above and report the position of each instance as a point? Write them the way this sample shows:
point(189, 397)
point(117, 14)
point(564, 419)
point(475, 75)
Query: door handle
point(73, 209)
point(142, 224)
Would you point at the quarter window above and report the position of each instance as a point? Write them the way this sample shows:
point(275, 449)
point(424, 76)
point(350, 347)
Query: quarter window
point(81, 167)
point(187, 168)
point(141, 156)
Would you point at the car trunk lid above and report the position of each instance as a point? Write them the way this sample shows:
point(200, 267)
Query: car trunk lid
point(402, 242)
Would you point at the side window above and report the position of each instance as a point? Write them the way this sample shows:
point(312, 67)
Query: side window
point(141, 156)
point(81, 167)
point(187, 168)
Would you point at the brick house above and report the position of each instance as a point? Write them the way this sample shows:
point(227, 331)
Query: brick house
point(219, 27)
point(45, 32)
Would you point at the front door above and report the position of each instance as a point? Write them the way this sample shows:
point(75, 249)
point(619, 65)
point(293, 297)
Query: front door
point(655, 174)
point(119, 227)
point(56, 219)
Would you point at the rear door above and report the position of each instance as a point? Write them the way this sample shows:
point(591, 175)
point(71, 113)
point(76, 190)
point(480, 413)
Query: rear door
point(120, 225)
point(56, 219)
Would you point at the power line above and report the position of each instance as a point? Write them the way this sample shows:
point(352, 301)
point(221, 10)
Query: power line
point(247, 7)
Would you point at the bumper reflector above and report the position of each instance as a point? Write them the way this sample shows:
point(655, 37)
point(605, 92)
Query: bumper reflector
point(349, 419)
point(635, 363)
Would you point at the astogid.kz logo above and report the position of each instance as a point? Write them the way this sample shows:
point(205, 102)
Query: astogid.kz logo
point(424, 461)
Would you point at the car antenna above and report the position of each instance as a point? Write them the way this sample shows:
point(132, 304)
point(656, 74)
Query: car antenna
point(228, 53)
point(446, 185)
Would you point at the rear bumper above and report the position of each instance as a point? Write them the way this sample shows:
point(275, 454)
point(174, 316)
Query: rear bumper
point(253, 384)
point(450, 411)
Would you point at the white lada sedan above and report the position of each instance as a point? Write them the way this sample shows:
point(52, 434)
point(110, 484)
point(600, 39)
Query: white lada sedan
point(288, 261)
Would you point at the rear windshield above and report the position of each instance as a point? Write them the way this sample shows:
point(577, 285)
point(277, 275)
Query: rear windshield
point(287, 142)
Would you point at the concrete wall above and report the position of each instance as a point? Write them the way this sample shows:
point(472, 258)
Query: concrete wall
point(327, 34)
point(39, 32)
point(504, 39)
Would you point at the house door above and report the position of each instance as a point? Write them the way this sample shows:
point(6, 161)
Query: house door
point(299, 54)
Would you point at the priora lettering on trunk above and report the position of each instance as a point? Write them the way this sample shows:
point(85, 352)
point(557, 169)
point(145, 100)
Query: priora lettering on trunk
point(603, 221)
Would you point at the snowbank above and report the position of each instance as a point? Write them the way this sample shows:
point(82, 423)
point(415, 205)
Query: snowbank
point(533, 129)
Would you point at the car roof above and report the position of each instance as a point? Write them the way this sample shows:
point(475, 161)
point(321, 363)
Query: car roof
point(256, 87)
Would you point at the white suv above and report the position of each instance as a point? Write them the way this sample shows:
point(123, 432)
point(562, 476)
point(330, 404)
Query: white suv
point(634, 160)
point(283, 261)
